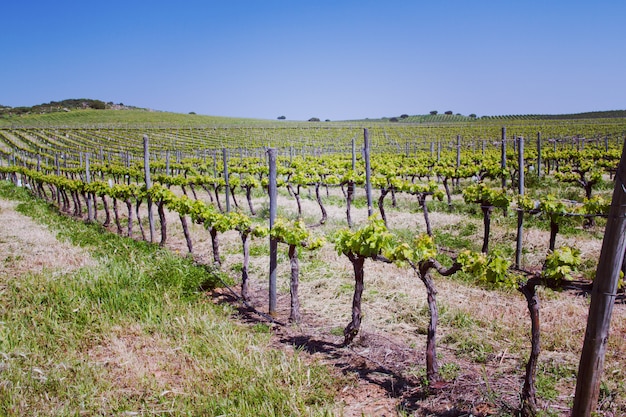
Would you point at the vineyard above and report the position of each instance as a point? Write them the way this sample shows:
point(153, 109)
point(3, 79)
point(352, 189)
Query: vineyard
point(428, 250)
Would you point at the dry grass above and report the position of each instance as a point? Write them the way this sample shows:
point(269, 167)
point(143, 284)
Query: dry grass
point(26, 246)
point(471, 318)
point(131, 336)
point(133, 362)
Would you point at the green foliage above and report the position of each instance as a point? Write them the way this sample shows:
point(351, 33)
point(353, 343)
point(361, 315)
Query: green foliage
point(596, 205)
point(552, 206)
point(486, 196)
point(242, 223)
point(526, 203)
point(295, 233)
point(423, 248)
point(492, 269)
point(561, 263)
point(368, 241)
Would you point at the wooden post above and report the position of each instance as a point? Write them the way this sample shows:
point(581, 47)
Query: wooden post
point(273, 193)
point(602, 300)
point(368, 171)
point(503, 156)
point(438, 149)
point(353, 154)
point(90, 211)
point(146, 167)
point(458, 157)
point(167, 162)
point(520, 213)
point(227, 184)
point(539, 154)
point(458, 151)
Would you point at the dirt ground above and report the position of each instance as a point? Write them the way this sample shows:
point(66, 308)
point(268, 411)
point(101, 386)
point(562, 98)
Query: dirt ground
point(383, 368)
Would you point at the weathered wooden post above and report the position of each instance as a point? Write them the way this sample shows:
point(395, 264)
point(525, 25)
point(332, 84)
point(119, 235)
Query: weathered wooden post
point(520, 213)
point(539, 154)
point(503, 156)
point(368, 171)
point(438, 149)
point(273, 193)
point(226, 182)
point(90, 208)
point(602, 300)
point(146, 167)
point(458, 157)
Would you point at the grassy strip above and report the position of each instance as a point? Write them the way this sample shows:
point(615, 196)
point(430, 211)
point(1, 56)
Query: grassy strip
point(133, 335)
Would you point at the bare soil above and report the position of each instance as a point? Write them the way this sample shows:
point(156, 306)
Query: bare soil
point(483, 335)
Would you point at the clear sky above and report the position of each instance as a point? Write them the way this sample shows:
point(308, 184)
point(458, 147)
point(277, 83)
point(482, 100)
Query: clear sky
point(333, 60)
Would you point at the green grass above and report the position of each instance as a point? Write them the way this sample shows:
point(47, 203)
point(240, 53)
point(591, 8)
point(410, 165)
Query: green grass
point(133, 334)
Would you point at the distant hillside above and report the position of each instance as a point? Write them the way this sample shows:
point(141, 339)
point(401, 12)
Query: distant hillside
point(449, 117)
point(63, 106)
point(115, 118)
point(609, 114)
point(81, 110)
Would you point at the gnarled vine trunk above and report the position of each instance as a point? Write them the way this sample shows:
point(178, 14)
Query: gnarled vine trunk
point(421, 198)
point(554, 230)
point(349, 197)
point(529, 391)
point(296, 194)
point(107, 218)
point(487, 209)
point(129, 206)
point(381, 203)
point(249, 198)
point(319, 201)
point(116, 215)
point(215, 245)
point(183, 222)
point(294, 315)
point(162, 221)
point(244, 266)
point(143, 233)
point(352, 329)
point(446, 187)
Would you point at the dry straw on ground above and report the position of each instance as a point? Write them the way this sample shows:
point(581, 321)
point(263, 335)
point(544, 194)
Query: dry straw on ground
point(394, 307)
point(26, 246)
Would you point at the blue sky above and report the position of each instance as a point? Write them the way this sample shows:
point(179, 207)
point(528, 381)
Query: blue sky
point(334, 60)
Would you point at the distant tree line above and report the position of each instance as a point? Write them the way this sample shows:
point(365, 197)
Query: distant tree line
point(58, 106)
